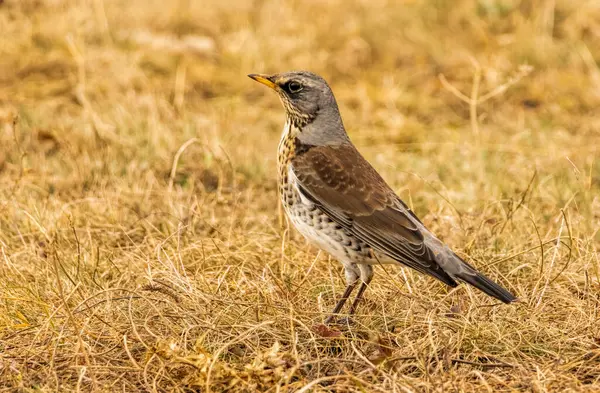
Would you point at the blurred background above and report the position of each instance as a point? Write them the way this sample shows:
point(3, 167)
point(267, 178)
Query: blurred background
point(150, 75)
point(137, 162)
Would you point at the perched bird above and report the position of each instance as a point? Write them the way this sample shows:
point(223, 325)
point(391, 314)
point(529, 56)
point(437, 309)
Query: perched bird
point(339, 202)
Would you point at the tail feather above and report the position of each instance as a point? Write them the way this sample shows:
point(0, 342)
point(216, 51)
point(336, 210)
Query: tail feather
point(487, 286)
point(458, 268)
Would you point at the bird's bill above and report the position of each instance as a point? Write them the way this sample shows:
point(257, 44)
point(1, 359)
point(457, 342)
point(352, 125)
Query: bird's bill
point(264, 79)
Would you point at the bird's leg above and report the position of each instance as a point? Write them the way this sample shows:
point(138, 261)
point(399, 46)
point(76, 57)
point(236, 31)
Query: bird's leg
point(366, 275)
point(354, 305)
point(340, 303)
point(352, 275)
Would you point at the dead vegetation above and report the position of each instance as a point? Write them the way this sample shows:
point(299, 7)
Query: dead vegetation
point(141, 247)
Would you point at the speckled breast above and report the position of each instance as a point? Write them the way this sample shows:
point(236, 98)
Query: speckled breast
point(285, 153)
point(307, 217)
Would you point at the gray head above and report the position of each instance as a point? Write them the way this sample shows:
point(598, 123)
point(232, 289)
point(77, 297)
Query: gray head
point(304, 95)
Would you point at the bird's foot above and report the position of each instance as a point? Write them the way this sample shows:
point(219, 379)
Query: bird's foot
point(344, 321)
point(339, 321)
point(333, 326)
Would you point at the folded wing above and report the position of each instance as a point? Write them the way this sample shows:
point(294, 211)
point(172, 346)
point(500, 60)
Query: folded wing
point(349, 190)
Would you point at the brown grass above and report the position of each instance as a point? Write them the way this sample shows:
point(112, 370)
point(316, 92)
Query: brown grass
point(141, 247)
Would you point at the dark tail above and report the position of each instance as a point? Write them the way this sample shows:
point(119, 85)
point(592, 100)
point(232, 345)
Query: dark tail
point(487, 286)
point(480, 281)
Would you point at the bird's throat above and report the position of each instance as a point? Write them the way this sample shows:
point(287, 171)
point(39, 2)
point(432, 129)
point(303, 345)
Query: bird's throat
point(286, 149)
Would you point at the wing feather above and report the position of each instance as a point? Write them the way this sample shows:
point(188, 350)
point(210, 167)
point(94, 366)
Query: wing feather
point(349, 190)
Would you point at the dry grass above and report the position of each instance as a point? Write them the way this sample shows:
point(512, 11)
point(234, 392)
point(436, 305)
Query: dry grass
point(123, 268)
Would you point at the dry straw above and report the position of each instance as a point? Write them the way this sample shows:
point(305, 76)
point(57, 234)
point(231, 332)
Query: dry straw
point(140, 247)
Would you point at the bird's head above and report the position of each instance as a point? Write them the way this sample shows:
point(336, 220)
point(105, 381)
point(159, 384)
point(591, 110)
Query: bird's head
point(302, 93)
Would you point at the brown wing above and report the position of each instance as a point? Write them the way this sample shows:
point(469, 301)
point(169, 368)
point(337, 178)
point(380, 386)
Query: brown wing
point(349, 190)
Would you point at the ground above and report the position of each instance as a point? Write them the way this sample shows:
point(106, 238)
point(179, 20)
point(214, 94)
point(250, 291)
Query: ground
point(142, 247)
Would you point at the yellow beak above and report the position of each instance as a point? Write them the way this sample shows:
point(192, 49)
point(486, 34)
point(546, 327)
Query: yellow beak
point(264, 79)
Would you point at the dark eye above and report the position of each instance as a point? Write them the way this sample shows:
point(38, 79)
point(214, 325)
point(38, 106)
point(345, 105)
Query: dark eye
point(294, 87)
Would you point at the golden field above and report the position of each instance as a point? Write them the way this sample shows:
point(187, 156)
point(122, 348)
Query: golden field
point(142, 247)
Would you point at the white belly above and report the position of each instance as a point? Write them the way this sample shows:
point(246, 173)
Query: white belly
point(323, 236)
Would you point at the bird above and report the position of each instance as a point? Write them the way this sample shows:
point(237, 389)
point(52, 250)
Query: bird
point(340, 203)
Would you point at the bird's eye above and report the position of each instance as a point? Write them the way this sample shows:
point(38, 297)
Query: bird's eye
point(294, 87)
